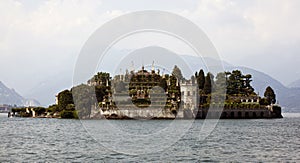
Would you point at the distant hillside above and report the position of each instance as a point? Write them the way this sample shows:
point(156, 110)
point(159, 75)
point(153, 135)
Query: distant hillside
point(295, 84)
point(11, 97)
point(45, 91)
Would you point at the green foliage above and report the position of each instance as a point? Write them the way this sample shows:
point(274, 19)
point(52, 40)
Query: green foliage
point(208, 84)
point(64, 98)
point(22, 112)
point(39, 110)
point(101, 92)
point(200, 79)
point(101, 78)
point(270, 95)
point(68, 114)
point(70, 107)
point(234, 83)
point(142, 103)
point(220, 83)
point(237, 83)
point(264, 102)
point(85, 97)
point(18, 110)
point(177, 73)
point(163, 84)
point(52, 109)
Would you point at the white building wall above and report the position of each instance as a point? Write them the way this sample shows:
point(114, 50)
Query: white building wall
point(189, 95)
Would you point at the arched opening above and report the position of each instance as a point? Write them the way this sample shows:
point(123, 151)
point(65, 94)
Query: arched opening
point(247, 115)
point(240, 114)
point(232, 114)
point(174, 112)
point(254, 115)
point(224, 115)
point(262, 114)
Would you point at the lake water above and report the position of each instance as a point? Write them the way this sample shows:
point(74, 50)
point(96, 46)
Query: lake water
point(33, 140)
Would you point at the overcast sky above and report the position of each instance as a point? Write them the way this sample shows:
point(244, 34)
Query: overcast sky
point(40, 39)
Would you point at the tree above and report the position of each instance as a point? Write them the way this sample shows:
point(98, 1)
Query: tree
point(69, 114)
point(101, 78)
point(270, 95)
point(85, 97)
point(177, 73)
point(52, 108)
point(39, 110)
point(234, 84)
point(163, 84)
point(208, 84)
point(238, 84)
point(221, 82)
point(201, 79)
point(64, 98)
point(247, 86)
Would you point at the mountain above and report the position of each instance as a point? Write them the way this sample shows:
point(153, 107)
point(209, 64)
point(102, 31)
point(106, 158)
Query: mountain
point(11, 97)
point(46, 90)
point(295, 84)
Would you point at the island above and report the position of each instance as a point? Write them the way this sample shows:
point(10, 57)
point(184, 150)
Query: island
point(150, 94)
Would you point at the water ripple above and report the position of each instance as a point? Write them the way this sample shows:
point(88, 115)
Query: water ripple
point(59, 140)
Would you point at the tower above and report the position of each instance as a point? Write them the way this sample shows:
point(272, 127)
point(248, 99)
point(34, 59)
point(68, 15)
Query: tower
point(189, 94)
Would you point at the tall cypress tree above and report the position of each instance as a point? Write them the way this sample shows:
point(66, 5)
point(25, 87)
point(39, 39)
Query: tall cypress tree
point(207, 85)
point(201, 79)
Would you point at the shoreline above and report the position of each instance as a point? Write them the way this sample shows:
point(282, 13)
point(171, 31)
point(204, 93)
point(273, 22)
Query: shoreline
point(269, 112)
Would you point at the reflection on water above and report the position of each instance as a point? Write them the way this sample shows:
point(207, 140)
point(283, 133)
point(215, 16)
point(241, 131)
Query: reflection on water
point(32, 139)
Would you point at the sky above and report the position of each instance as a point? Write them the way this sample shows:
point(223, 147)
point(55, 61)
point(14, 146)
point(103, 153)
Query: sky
point(42, 39)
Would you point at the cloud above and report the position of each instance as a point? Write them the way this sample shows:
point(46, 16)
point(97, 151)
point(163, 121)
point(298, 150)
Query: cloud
point(276, 20)
point(257, 34)
point(39, 39)
point(45, 39)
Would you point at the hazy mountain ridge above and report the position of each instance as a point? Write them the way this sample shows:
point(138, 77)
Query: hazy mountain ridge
point(295, 84)
point(11, 97)
point(46, 90)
